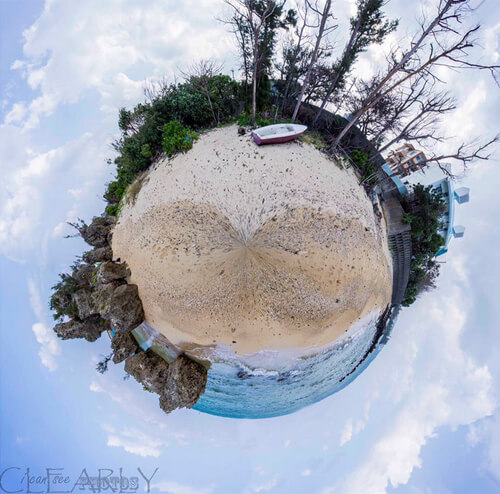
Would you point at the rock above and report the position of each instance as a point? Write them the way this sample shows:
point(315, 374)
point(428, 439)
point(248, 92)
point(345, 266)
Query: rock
point(112, 271)
point(85, 304)
point(96, 234)
point(125, 308)
point(84, 274)
point(186, 380)
point(123, 345)
point(98, 254)
point(149, 369)
point(101, 296)
point(90, 329)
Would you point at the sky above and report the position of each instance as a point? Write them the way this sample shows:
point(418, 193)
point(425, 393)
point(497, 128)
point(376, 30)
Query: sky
point(424, 416)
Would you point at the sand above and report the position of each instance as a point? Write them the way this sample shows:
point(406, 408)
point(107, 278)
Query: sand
point(253, 247)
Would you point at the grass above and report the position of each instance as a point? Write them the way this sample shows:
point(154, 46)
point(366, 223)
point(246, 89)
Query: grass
point(314, 138)
point(135, 187)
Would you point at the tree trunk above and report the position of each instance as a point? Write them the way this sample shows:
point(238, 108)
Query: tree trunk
point(333, 84)
point(324, 18)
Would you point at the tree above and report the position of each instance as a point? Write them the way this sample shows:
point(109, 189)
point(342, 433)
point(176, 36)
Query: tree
point(255, 24)
point(466, 153)
point(220, 90)
point(424, 208)
point(411, 112)
point(440, 42)
point(102, 366)
point(367, 27)
point(324, 29)
point(296, 54)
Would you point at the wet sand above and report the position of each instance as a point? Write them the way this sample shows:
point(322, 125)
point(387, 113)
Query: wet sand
point(253, 247)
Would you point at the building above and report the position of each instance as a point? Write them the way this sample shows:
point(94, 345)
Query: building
point(445, 189)
point(406, 160)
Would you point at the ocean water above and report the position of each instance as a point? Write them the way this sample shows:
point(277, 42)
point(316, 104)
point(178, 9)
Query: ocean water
point(273, 383)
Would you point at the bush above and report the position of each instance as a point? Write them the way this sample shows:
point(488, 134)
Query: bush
point(200, 102)
point(245, 120)
point(112, 209)
point(176, 137)
point(359, 158)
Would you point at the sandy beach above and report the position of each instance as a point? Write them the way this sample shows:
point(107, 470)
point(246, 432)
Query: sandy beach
point(253, 247)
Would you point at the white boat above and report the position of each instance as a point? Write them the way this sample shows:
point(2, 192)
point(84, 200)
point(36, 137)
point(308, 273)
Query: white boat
point(272, 134)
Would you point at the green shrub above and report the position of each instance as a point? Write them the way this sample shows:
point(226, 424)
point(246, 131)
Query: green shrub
point(177, 138)
point(146, 151)
point(245, 120)
point(359, 158)
point(423, 210)
point(112, 209)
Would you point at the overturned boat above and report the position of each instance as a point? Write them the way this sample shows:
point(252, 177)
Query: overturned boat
point(274, 134)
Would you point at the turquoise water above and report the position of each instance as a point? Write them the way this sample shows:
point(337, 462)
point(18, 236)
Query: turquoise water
point(237, 390)
point(273, 383)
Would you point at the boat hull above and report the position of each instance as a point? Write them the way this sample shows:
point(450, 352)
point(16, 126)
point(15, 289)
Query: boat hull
point(276, 138)
point(273, 140)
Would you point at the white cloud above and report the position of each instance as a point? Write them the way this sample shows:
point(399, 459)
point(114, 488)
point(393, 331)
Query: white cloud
point(35, 191)
point(264, 486)
point(350, 430)
point(346, 433)
point(88, 52)
point(16, 114)
point(486, 432)
point(49, 345)
point(134, 441)
point(446, 388)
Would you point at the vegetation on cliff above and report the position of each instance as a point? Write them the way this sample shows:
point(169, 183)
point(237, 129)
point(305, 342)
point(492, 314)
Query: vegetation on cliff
point(161, 124)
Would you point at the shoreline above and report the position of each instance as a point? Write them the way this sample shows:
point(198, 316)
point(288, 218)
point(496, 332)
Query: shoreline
point(298, 247)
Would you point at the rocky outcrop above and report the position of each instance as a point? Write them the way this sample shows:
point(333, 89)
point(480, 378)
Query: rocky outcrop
point(85, 304)
point(98, 233)
point(179, 384)
point(124, 310)
point(112, 271)
point(90, 328)
point(83, 274)
point(149, 369)
point(102, 294)
point(186, 381)
point(123, 346)
point(98, 254)
point(98, 298)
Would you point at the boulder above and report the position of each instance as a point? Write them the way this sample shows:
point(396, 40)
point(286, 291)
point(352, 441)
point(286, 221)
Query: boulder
point(123, 345)
point(90, 329)
point(124, 310)
point(85, 304)
point(112, 271)
point(149, 369)
point(186, 380)
point(98, 254)
point(97, 233)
